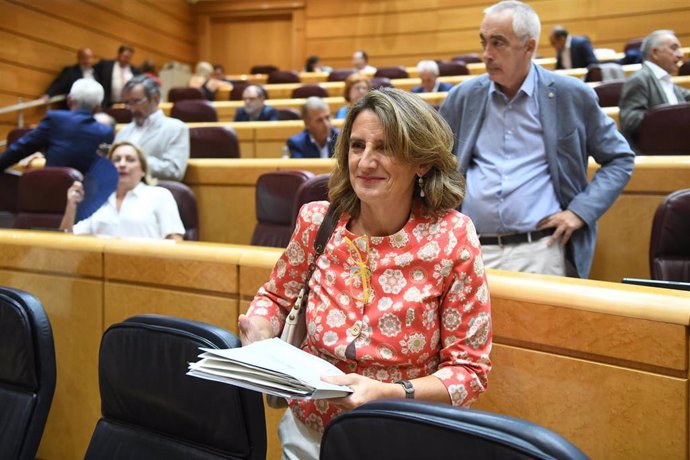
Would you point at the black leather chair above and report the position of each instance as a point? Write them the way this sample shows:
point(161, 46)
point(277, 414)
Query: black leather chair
point(314, 189)
point(213, 142)
point(186, 205)
point(392, 72)
point(609, 93)
point(183, 93)
point(194, 111)
point(152, 410)
point(669, 246)
point(306, 91)
point(663, 130)
point(27, 373)
point(275, 201)
point(408, 429)
point(43, 196)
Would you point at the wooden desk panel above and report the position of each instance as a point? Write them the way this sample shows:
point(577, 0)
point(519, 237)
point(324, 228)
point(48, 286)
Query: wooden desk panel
point(609, 412)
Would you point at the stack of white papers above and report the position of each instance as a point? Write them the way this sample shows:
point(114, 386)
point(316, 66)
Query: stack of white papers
point(272, 367)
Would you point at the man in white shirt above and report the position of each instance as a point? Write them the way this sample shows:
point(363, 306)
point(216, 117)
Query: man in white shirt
point(114, 74)
point(652, 85)
point(164, 140)
point(360, 61)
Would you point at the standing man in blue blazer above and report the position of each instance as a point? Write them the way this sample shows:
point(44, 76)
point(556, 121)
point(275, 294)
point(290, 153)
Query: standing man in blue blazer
point(428, 73)
point(572, 51)
point(319, 136)
point(66, 137)
point(523, 136)
point(255, 109)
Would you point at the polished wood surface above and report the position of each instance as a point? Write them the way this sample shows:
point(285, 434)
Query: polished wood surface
point(603, 364)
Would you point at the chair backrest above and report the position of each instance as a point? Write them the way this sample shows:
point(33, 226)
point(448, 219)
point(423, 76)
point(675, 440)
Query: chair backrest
point(27, 373)
point(16, 134)
point(288, 113)
point(594, 73)
point(684, 69)
point(151, 409)
point(633, 43)
point(380, 82)
point(186, 205)
point(408, 429)
point(306, 91)
point(238, 87)
point(452, 68)
point(283, 76)
point(392, 72)
point(120, 114)
point(213, 142)
point(194, 110)
point(314, 189)
point(468, 58)
point(340, 74)
point(275, 201)
point(663, 130)
point(183, 93)
point(43, 196)
point(669, 246)
point(263, 69)
point(9, 197)
point(609, 93)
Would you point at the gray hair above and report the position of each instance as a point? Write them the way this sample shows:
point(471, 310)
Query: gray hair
point(86, 93)
point(313, 103)
point(652, 41)
point(526, 22)
point(151, 88)
point(428, 66)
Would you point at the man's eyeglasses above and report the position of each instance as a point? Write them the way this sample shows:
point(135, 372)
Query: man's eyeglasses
point(135, 102)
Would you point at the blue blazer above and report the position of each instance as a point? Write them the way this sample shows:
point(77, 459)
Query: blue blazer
point(574, 127)
point(443, 87)
point(581, 53)
point(268, 113)
point(301, 146)
point(66, 138)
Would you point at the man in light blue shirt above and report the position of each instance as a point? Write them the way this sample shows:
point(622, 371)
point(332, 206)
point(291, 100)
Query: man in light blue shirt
point(523, 136)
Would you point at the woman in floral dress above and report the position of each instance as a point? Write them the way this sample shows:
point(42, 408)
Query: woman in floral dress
point(399, 299)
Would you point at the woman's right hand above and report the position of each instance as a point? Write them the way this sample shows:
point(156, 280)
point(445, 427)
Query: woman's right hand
point(75, 194)
point(253, 329)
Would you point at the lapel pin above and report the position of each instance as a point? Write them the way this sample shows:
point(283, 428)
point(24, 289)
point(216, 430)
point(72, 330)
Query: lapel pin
point(551, 95)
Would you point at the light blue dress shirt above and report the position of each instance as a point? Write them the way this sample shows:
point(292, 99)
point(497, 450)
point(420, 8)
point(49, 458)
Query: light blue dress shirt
point(509, 188)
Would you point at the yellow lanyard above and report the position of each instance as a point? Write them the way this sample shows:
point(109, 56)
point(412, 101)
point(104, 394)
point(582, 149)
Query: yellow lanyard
point(361, 266)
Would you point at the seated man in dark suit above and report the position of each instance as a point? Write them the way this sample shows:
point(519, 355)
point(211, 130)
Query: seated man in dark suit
point(67, 137)
point(428, 73)
point(319, 136)
point(572, 51)
point(72, 73)
point(254, 107)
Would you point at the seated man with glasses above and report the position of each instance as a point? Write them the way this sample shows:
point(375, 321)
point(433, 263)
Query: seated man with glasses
point(165, 140)
point(254, 107)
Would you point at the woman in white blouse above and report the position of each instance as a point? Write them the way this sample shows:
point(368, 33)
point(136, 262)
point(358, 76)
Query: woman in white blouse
point(136, 209)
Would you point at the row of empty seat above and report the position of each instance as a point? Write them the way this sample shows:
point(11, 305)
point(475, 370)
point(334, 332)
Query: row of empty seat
point(150, 408)
point(36, 199)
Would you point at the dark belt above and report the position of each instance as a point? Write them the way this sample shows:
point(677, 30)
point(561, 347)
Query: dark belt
point(515, 238)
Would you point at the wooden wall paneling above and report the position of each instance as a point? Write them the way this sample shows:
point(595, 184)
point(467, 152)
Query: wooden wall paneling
point(607, 411)
point(178, 9)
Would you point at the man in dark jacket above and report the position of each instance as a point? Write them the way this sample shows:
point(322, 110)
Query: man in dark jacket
point(572, 51)
point(254, 106)
point(319, 136)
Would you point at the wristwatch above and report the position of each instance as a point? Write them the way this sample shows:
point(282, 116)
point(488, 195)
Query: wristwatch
point(409, 388)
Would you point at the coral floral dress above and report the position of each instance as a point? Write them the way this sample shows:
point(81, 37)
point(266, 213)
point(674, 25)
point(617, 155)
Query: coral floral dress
point(403, 306)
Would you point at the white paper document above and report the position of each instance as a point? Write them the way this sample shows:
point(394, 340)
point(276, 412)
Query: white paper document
point(272, 367)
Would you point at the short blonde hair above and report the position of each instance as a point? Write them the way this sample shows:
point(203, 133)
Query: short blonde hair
point(203, 69)
point(351, 81)
point(147, 179)
point(414, 133)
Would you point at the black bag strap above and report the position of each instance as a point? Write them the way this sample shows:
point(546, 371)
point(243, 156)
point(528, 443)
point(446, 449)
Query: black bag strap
point(328, 224)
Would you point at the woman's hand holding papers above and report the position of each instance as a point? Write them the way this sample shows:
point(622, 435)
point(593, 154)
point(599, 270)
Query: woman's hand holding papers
point(253, 329)
point(363, 388)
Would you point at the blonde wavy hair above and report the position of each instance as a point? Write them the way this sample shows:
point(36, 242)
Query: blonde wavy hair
point(147, 179)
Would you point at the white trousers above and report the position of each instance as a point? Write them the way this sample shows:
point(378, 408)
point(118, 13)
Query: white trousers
point(298, 440)
point(534, 257)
